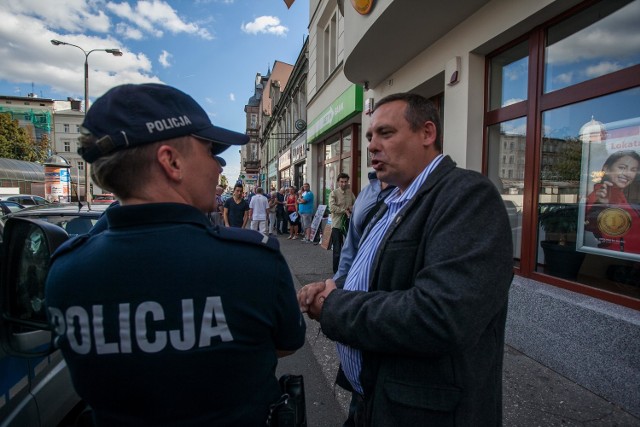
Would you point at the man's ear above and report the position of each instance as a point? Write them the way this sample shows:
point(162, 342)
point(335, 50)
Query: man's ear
point(171, 162)
point(429, 133)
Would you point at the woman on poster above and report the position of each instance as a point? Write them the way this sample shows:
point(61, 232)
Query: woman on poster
point(613, 220)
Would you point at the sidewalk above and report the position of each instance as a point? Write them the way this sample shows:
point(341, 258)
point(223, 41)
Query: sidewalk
point(533, 395)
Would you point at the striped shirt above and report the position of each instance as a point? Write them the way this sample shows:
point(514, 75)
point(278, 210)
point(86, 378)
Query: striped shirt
point(359, 274)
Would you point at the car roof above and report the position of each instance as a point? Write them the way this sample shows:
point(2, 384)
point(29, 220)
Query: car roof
point(6, 196)
point(72, 209)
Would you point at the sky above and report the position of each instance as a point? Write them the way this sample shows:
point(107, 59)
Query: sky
point(210, 49)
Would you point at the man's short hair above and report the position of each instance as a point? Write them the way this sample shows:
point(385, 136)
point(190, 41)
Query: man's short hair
point(258, 190)
point(419, 111)
point(125, 172)
point(342, 175)
point(240, 186)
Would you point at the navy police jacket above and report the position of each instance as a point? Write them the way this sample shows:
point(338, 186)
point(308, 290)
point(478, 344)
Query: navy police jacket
point(167, 320)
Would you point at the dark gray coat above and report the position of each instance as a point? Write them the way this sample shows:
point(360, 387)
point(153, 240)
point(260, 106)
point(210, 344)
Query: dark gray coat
point(431, 327)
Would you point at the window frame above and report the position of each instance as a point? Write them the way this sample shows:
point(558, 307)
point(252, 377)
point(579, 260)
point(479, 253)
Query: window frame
point(532, 110)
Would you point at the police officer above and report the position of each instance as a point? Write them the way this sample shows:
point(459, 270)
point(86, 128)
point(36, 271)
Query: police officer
point(154, 326)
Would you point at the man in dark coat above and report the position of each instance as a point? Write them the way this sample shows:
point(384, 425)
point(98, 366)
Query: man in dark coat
point(280, 213)
point(420, 321)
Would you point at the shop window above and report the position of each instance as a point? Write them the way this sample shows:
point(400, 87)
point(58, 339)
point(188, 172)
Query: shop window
point(509, 76)
point(501, 138)
point(346, 141)
point(337, 158)
point(332, 147)
point(589, 195)
point(567, 161)
point(597, 41)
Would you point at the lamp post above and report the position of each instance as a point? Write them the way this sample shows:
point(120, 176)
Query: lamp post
point(114, 52)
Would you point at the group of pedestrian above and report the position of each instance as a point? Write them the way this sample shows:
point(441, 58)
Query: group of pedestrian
point(176, 338)
point(261, 213)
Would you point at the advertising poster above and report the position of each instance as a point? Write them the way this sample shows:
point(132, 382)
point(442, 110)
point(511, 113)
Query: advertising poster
point(57, 183)
point(610, 190)
point(331, 172)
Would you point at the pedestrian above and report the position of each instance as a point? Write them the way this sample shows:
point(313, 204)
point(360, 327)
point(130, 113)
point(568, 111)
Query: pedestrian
point(217, 214)
point(271, 210)
point(420, 321)
point(236, 209)
point(341, 202)
point(292, 208)
point(258, 207)
point(305, 209)
point(166, 335)
point(281, 213)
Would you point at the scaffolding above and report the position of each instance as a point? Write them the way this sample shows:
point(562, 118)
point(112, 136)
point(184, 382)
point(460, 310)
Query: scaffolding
point(36, 121)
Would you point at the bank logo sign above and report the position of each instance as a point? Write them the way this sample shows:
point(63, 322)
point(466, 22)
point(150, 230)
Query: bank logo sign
point(341, 109)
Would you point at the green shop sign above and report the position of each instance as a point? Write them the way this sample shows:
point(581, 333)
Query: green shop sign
point(341, 109)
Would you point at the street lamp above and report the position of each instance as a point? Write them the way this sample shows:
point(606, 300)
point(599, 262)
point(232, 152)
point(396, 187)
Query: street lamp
point(114, 52)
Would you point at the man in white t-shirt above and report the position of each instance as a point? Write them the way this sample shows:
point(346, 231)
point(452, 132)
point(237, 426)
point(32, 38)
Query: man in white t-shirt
point(258, 211)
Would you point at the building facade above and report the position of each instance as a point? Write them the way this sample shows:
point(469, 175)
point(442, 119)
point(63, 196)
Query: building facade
point(335, 104)
point(67, 119)
point(270, 148)
point(250, 152)
point(285, 132)
point(520, 85)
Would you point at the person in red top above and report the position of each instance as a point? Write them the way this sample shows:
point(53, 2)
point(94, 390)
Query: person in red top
point(617, 231)
point(292, 206)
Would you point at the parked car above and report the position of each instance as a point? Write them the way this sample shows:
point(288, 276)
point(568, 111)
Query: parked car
point(26, 199)
point(73, 218)
point(35, 385)
point(104, 198)
point(7, 207)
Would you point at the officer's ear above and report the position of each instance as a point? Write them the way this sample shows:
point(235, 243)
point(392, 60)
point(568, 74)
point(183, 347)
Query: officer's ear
point(171, 162)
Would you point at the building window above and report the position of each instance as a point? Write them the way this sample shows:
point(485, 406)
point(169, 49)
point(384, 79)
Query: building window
point(328, 47)
point(568, 95)
point(337, 159)
point(80, 165)
point(66, 128)
point(67, 146)
point(77, 128)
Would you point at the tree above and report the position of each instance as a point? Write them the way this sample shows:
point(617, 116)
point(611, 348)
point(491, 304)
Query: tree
point(224, 182)
point(42, 148)
point(16, 143)
point(569, 160)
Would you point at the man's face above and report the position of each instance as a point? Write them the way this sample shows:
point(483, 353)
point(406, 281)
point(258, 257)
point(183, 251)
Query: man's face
point(305, 187)
point(343, 183)
point(202, 179)
point(237, 192)
point(398, 154)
